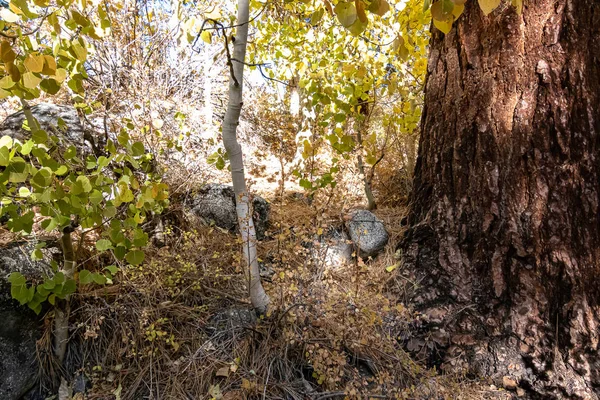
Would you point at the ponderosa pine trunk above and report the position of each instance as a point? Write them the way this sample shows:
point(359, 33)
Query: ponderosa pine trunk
point(504, 226)
point(258, 296)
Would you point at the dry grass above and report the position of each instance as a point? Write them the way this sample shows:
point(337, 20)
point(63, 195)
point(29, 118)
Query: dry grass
point(160, 332)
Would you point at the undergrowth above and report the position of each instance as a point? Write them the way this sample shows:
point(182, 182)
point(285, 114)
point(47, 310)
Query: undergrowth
point(180, 326)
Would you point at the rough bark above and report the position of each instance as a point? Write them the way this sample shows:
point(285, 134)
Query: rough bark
point(258, 296)
point(504, 227)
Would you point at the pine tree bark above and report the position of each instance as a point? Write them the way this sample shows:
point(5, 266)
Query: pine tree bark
point(504, 226)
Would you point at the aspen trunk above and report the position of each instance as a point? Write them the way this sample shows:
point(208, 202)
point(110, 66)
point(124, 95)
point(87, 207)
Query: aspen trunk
point(504, 226)
point(258, 296)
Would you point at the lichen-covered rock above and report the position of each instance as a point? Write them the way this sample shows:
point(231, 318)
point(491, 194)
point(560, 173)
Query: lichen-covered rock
point(48, 115)
point(20, 327)
point(216, 202)
point(367, 232)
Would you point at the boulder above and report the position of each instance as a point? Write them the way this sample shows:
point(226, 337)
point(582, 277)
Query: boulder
point(71, 133)
point(216, 203)
point(367, 232)
point(20, 327)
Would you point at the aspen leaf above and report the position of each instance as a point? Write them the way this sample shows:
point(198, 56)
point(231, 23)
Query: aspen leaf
point(518, 4)
point(30, 81)
point(379, 7)
point(60, 75)
point(49, 65)
point(34, 62)
point(441, 10)
point(346, 14)
point(487, 6)
point(356, 29)
point(6, 83)
point(360, 11)
point(206, 37)
point(458, 10)
point(6, 52)
point(443, 26)
point(391, 268)
point(223, 372)
point(8, 15)
point(135, 257)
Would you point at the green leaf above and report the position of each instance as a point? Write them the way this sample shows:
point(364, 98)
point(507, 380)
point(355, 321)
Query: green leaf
point(27, 147)
point(4, 156)
point(85, 277)
point(135, 257)
point(103, 245)
point(43, 178)
point(138, 149)
point(70, 153)
point(17, 170)
point(59, 278)
point(50, 86)
point(62, 170)
point(69, 287)
point(40, 136)
point(16, 278)
point(99, 278)
point(113, 269)
point(82, 185)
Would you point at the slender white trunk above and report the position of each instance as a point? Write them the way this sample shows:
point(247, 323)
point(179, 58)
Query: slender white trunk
point(258, 296)
point(208, 85)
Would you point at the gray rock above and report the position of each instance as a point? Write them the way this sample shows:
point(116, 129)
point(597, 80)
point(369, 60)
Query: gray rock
point(333, 249)
point(20, 327)
point(48, 115)
point(229, 323)
point(367, 232)
point(216, 202)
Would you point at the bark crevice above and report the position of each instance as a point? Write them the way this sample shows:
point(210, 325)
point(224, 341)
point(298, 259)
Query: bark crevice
point(504, 227)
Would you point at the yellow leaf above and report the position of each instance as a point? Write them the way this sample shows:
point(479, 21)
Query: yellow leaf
point(6, 52)
point(443, 25)
point(49, 65)
point(458, 10)
point(60, 75)
point(518, 4)
point(34, 62)
point(320, 231)
point(6, 83)
point(487, 6)
point(206, 37)
point(30, 81)
point(391, 268)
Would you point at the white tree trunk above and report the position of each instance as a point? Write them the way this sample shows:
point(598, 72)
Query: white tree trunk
point(258, 296)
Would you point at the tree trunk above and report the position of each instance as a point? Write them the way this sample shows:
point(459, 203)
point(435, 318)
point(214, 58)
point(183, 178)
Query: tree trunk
point(504, 226)
point(258, 296)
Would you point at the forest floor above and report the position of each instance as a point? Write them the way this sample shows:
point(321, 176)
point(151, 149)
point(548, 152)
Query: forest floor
point(180, 326)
